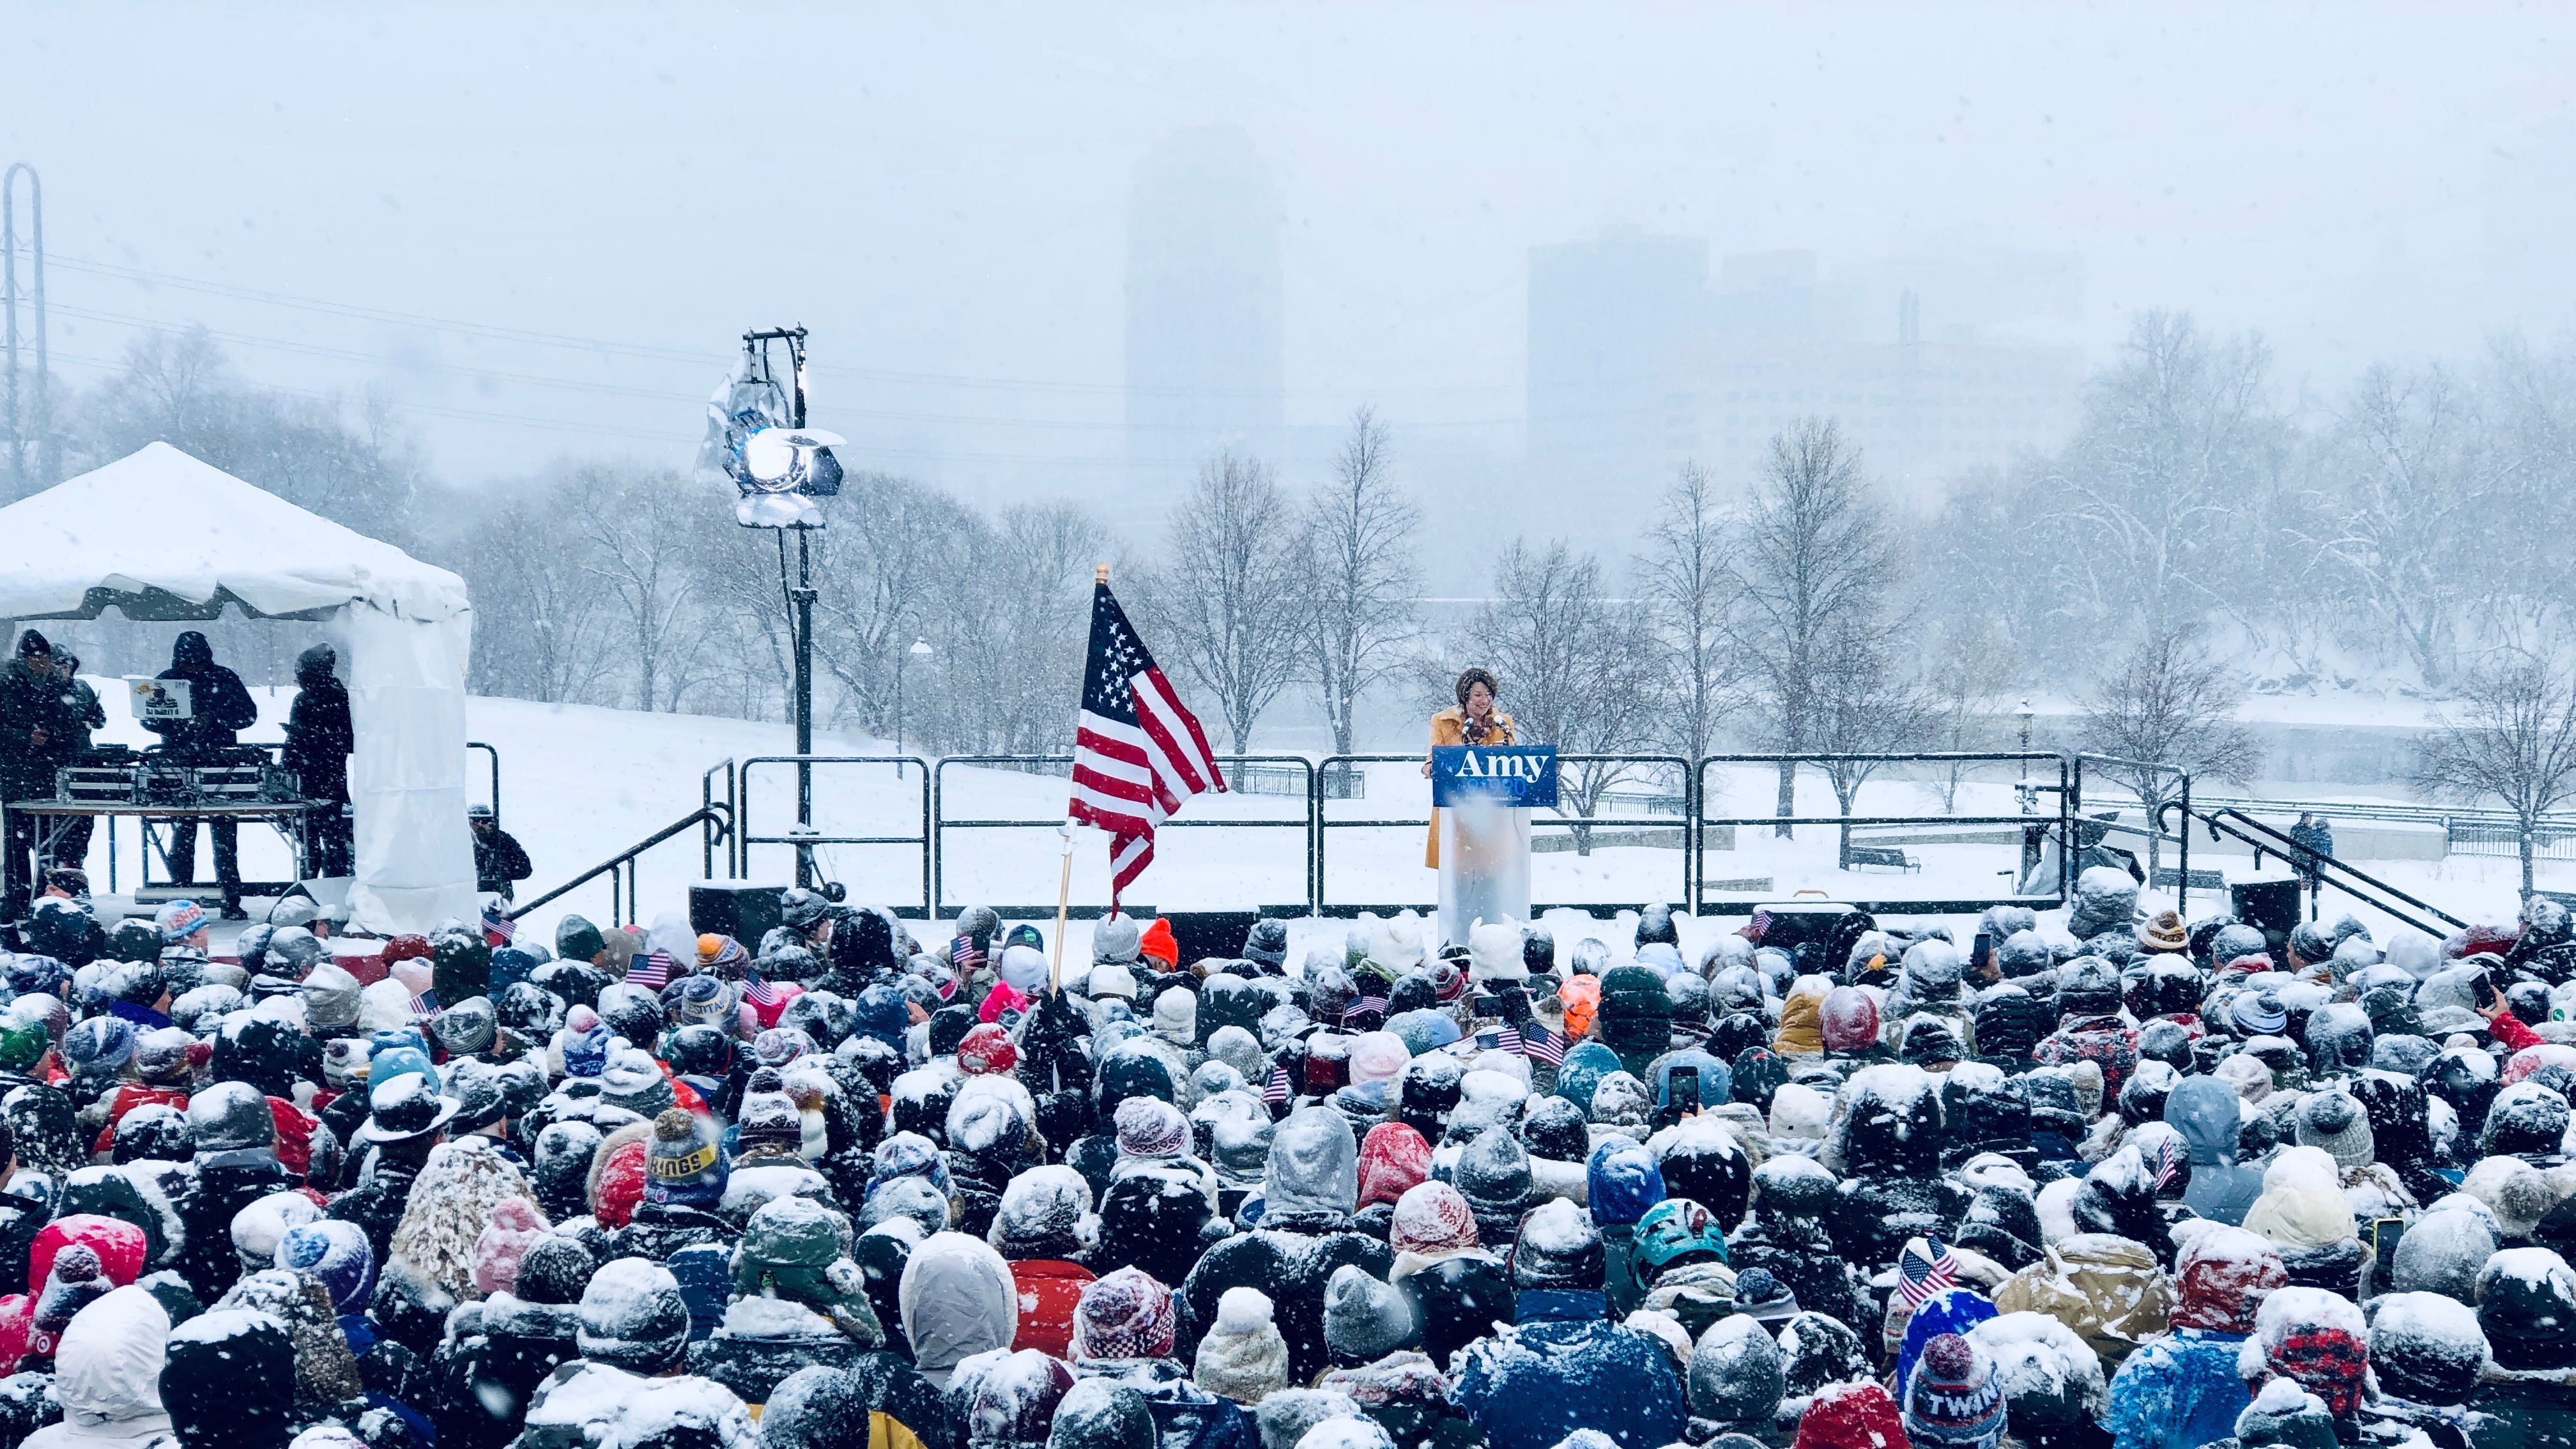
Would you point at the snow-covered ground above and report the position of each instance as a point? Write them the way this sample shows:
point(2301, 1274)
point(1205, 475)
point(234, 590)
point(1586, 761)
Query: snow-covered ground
point(581, 783)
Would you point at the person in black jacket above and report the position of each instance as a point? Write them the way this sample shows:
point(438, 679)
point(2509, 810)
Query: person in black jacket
point(218, 706)
point(498, 857)
point(79, 712)
point(31, 731)
point(319, 737)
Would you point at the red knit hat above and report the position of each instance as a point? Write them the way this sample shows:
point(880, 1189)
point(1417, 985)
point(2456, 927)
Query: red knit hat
point(621, 1185)
point(1393, 1158)
point(2222, 1278)
point(120, 1246)
point(1158, 943)
point(986, 1048)
point(405, 948)
point(1851, 1416)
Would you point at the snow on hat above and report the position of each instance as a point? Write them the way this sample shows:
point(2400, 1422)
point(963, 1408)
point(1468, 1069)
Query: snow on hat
point(1432, 1219)
point(2337, 1123)
point(2221, 1278)
point(1114, 942)
point(1176, 1016)
point(1557, 1248)
point(1494, 953)
point(1955, 1396)
point(178, 920)
point(1110, 981)
point(1024, 969)
point(330, 999)
point(2426, 1347)
point(1125, 1315)
point(986, 1048)
point(1365, 1317)
point(1244, 1356)
point(2527, 1306)
point(263, 1223)
point(684, 1159)
point(2163, 932)
point(1856, 1415)
point(1151, 1127)
point(514, 1228)
point(2314, 1337)
point(633, 1317)
point(98, 1045)
point(1376, 1056)
point(161, 1054)
point(2259, 1013)
point(337, 1253)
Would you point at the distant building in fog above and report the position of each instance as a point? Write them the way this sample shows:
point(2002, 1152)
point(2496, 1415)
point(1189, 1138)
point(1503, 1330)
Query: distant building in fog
point(1204, 346)
point(1638, 362)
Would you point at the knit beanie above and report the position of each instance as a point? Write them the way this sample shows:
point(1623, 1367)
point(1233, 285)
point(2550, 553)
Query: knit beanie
point(161, 1056)
point(514, 1228)
point(1244, 1357)
point(685, 1161)
point(1365, 1317)
point(768, 1120)
point(1736, 1373)
point(633, 1317)
point(1393, 1159)
point(1151, 1127)
point(1123, 1316)
point(1954, 1396)
point(1493, 1174)
point(1433, 1220)
point(337, 1253)
point(1558, 1248)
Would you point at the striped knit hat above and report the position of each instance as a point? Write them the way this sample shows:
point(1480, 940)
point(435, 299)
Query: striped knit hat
point(1954, 1397)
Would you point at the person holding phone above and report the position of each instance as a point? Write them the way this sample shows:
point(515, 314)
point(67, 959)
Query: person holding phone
point(1472, 721)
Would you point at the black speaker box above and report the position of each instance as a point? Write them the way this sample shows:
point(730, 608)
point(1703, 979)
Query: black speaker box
point(744, 912)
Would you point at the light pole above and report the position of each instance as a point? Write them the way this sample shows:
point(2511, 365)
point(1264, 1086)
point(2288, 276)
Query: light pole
point(2024, 790)
point(920, 650)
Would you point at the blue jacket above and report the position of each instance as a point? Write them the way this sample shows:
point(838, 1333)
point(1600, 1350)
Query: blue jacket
point(1535, 1384)
point(2178, 1392)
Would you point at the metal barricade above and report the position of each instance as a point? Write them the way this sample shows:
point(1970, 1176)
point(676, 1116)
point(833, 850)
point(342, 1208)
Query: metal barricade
point(804, 842)
point(2056, 820)
point(496, 775)
point(940, 823)
point(1578, 823)
point(2153, 810)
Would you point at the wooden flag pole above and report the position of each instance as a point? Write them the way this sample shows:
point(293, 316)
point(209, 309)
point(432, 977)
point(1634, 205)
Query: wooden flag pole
point(1064, 880)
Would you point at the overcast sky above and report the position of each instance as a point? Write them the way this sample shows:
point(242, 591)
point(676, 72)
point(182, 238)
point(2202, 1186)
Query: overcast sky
point(939, 191)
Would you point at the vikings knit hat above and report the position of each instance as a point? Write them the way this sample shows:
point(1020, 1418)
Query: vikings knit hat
point(684, 1160)
point(178, 920)
point(1954, 1397)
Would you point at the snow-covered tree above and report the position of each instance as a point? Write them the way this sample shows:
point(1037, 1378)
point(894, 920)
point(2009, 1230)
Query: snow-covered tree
point(1363, 604)
point(1226, 602)
point(2168, 703)
point(2512, 739)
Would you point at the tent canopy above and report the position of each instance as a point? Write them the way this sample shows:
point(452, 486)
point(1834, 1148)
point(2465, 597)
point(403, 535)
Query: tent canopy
point(160, 535)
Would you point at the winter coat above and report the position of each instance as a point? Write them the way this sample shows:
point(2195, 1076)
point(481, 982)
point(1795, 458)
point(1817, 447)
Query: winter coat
point(1456, 1301)
point(29, 701)
point(376, 1204)
point(1189, 1417)
point(586, 1403)
point(1530, 1386)
point(21, 1218)
point(485, 1378)
point(208, 1261)
point(2526, 1410)
point(2106, 1041)
point(1802, 1031)
point(217, 700)
point(499, 859)
point(2204, 1111)
point(2178, 1392)
point(2109, 1290)
point(107, 1376)
point(875, 1403)
point(1048, 1290)
point(319, 734)
point(1291, 1269)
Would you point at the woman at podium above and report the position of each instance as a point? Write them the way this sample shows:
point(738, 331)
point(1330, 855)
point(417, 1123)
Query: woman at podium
point(1472, 721)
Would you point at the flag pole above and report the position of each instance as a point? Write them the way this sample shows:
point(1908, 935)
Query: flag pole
point(1064, 880)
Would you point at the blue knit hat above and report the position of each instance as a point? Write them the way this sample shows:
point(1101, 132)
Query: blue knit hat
point(337, 1254)
point(1621, 1182)
point(1956, 1397)
point(390, 1062)
point(98, 1045)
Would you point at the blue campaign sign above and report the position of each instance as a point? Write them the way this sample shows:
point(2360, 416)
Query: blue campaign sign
point(1517, 775)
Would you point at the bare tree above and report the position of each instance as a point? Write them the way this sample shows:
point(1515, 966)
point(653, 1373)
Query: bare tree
point(642, 528)
point(2407, 468)
point(1687, 584)
point(1968, 678)
point(1229, 599)
point(524, 570)
point(2515, 741)
point(2169, 704)
point(1815, 566)
point(1864, 705)
point(1579, 669)
point(1363, 588)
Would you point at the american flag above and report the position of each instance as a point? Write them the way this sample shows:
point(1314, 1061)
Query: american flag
point(1541, 1045)
point(963, 958)
point(754, 990)
point(1276, 1090)
point(652, 972)
point(498, 930)
point(1137, 753)
point(1924, 1268)
point(2168, 1161)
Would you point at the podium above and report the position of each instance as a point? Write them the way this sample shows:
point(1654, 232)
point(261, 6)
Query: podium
point(1482, 796)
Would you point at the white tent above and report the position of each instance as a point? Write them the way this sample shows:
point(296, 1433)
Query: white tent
point(160, 535)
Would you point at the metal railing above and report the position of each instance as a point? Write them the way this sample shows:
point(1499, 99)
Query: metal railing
point(2313, 867)
point(620, 868)
point(708, 836)
point(939, 823)
point(805, 841)
point(496, 775)
point(2153, 809)
point(2057, 821)
point(1566, 818)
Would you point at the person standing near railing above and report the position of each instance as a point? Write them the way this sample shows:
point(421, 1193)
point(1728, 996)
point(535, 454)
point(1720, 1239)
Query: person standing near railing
point(1472, 721)
point(2316, 838)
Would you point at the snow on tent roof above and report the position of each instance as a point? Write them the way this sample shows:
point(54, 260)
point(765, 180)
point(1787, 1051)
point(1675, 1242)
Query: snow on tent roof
point(163, 535)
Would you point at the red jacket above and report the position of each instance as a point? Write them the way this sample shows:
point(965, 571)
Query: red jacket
point(129, 1097)
point(2510, 1033)
point(1049, 1291)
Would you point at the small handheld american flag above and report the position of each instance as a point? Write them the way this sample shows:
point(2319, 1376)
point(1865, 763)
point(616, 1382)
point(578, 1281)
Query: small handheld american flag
point(755, 990)
point(652, 971)
point(1925, 1267)
point(498, 930)
point(1137, 752)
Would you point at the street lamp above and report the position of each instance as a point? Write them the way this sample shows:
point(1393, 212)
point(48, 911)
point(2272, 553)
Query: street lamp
point(920, 650)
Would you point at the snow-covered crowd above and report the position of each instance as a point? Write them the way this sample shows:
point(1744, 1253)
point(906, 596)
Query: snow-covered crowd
point(2100, 1180)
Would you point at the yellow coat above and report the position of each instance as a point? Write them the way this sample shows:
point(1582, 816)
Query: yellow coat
point(1449, 727)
